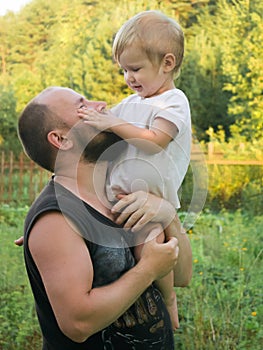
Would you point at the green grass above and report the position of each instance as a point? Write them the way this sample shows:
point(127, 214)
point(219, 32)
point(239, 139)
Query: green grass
point(221, 309)
point(18, 324)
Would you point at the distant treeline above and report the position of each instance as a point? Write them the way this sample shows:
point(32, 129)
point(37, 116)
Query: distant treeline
point(68, 43)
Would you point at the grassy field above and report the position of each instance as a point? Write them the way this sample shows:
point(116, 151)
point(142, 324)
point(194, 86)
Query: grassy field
point(221, 309)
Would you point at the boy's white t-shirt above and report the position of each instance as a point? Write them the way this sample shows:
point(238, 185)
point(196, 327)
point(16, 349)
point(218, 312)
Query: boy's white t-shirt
point(161, 173)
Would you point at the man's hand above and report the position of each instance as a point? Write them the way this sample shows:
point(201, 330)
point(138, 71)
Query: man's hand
point(159, 258)
point(20, 241)
point(139, 208)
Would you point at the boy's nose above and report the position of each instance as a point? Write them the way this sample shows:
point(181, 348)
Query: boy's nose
point(130, 77)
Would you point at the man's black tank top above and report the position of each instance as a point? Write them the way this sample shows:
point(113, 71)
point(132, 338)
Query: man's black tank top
point(145, 325)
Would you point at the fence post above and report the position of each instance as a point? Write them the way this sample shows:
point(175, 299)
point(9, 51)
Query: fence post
point(210, 150)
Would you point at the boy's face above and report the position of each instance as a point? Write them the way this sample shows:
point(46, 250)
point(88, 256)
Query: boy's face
point(141, 75)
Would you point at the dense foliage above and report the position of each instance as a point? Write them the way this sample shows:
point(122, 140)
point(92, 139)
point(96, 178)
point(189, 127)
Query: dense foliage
point(68, 43)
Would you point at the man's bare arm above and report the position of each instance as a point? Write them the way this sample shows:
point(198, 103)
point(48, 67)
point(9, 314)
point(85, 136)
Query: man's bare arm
point(63, 260)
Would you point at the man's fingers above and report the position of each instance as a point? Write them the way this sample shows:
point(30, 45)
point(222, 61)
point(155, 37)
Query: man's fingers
point(122, 217)
point(122, 203)
point(20, 241)
point(133, 219)
point(145, 219)
point(173, 242)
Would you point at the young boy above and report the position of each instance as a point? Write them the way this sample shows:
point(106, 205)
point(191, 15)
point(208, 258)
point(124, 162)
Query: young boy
point(155, 121)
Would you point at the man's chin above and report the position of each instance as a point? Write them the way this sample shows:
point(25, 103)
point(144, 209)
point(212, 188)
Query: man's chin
point(105, 146)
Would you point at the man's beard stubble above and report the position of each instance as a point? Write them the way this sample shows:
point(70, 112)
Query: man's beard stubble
point(105, 146)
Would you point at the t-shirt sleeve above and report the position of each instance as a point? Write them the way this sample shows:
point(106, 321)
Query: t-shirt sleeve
point(176, 110)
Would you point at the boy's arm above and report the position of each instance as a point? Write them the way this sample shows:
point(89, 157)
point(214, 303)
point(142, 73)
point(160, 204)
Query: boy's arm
point(149, 140)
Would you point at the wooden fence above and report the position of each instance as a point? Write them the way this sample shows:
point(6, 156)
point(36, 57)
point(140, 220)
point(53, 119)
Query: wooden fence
point(21, 179)
point(211, 156)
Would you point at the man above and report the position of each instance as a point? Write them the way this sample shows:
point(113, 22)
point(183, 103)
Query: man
point(89, 292)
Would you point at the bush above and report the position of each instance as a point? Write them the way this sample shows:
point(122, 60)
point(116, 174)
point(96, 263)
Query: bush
point(222, 307)
point(230, 186)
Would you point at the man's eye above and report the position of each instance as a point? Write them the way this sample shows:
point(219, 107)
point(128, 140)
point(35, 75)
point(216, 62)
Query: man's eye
point(82, 107)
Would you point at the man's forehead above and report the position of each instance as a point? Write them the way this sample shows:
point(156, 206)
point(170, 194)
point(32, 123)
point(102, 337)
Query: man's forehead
point(56, 95)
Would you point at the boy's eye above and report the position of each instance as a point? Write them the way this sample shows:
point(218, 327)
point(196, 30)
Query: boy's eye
point(131, 70)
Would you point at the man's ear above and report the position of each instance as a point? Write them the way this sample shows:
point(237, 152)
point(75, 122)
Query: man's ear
point(59, 140)
point(169, 62)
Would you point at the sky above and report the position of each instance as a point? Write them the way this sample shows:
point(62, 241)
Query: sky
point(11, 5)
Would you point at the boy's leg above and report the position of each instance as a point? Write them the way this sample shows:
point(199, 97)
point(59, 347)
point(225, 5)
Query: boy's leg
point(166, 286)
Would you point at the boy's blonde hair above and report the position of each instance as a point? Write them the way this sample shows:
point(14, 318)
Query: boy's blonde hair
point(154, 33)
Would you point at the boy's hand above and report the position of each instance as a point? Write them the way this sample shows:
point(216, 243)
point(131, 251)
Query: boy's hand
point(101, 120)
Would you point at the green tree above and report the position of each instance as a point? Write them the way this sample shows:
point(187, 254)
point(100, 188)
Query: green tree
point(202, 80)
point(222, 74)
point(8, 125)
point(68, 43)
point(242, 57)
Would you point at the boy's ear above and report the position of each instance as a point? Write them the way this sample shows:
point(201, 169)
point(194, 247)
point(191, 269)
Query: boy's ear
point(59, 140)
point(169, 62)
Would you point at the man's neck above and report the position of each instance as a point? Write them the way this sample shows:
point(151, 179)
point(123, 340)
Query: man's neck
point(88, 183)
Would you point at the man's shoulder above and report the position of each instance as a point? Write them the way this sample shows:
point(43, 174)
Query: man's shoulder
point(45, 200)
